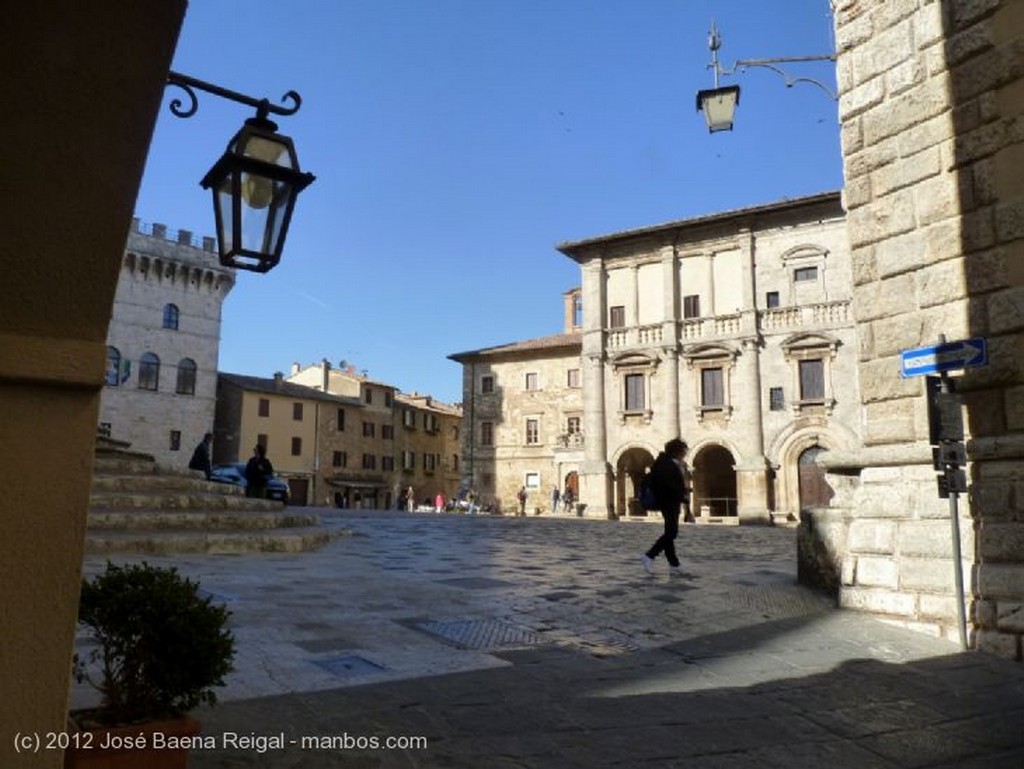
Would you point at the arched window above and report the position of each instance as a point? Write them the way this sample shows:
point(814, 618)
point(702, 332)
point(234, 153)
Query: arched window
point(186, 377)
point(171, 316)
point(149, 372)
point(113, 376)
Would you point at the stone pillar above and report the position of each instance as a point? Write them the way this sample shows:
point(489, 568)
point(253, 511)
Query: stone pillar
point(752, 469)
point(670, 340)
point(595, 473)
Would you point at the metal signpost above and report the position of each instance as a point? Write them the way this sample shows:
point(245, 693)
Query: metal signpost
point(946, 431)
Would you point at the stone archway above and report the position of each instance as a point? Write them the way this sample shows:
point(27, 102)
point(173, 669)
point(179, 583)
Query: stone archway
point(631, 467)
point(714, 481)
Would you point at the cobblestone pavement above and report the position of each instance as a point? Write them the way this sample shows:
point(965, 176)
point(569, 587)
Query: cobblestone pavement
point(538, 642)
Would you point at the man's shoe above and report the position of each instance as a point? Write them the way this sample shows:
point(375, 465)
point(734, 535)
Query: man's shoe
point(648, 564)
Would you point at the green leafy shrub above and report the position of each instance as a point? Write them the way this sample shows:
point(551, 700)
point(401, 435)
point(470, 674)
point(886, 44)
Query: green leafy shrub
point(162, 647)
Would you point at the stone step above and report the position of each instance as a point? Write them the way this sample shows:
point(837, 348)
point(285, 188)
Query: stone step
point(120, 464)
point(218, 542)
point(161, 520)
point(139, 483)
point(169, 501)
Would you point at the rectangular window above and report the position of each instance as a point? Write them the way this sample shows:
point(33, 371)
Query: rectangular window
point(771, 300)
point(387, 463)
point(296, 447)
point(532, 432)
point(369, 462)
point(617, 317)
point(572, 425)
point(340, 459)
point(368, 429)
point(805, 274)
point(264, 409)
point(812, 380)
point(297, 412)
point(712, 394)
point(408, 460)
point(776, 400)
point(341, 421)
point(409, 419)
point(487, 385)
point(455, 463)
point(634, 392)
point(387, 432)
point(429, 462)
point(532, 481)
point(368, 395)
point(389, 398)
point(573, 378)
point(263, 440)
point(486, 433)
point(577, 311)
point(532, 381)
point(691, 306)
point(175, 440)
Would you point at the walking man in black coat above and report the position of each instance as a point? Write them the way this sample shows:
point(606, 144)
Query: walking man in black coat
point(670, 482)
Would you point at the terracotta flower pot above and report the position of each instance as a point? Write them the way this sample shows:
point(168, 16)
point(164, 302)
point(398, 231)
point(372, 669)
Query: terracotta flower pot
point(153, 745)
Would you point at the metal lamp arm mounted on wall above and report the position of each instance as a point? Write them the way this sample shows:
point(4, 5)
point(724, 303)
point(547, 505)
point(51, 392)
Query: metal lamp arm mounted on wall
point(263, 107)
point(741, 64)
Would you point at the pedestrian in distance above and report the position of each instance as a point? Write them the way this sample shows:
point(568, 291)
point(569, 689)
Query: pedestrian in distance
point(410, 500)
point(669, 481)
point(555, 498)
point(201, 456)
point(521, 496)
point(439, 503)
point(258, 471)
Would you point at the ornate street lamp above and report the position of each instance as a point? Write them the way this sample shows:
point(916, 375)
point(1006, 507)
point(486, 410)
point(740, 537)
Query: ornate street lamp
point(719, 103)
point(254, 183)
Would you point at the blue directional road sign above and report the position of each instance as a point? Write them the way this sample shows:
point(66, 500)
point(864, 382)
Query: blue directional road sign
point(965, 353)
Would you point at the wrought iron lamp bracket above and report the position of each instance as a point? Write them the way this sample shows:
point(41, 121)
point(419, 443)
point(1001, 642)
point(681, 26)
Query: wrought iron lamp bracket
point(263, 107)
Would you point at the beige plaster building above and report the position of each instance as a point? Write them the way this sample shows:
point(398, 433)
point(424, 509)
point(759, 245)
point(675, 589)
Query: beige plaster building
point(381, 442)
point(733, 330)
point(163, 343)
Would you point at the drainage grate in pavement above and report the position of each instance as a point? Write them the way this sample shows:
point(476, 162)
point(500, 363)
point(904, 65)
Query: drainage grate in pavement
point(321, 645)
point(475, 583)
point(348, 666)
point(481, 634)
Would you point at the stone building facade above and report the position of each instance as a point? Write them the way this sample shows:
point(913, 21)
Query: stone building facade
point(732, 330)
point(163, 343)
point(381, 441)
point(932, 96)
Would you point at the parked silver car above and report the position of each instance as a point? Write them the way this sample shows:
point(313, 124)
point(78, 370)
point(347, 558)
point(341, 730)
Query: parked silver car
point(234, 474)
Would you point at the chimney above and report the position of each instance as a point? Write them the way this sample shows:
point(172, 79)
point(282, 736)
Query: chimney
point(325, 369)
point(160, 231)
point(278, 379)
point(209, 244)
point(185, 237)
point(296, 368)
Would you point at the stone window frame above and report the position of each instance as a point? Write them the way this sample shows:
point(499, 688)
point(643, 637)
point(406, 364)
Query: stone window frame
point(635, 363)
point(711, 356)
point(531, 382)
point(811, 346)
point(149, 372)
point(487, 384)
point(804, 257)
point(487, 433)
point(185, 383)
point(172, 317)
point(534, 421)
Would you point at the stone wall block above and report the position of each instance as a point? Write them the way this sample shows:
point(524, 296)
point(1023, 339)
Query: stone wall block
point(936, 607)
point(928, 27)
point(967, 12)
point(864, 267)
point(877, 572)
point(998, 580)
point(929, 99)
point(986, 271)
point(941, 197)
point(862, 98)
point(880, 380)
point(1002, 543)
point(942, 240)
point(969, 42)
point(1010, 618)
point(989, 70)
point(942, 283)
point(927, 539)
point(928, 575)
point(1009, 220)
point(977, 230)
point(890, 297)
point(854, 32)
point(985, 613)
point(1014, 407)
point(904, 253)
point(928, 133)
point(905, 76)
point(883, 51)
point(879, 601)
point(851, 138)
point(991, 498)
point(872, 536)
point(857, 192)
point(872, 158)
point(889, 422)
point(997, 643)
point(906, 171)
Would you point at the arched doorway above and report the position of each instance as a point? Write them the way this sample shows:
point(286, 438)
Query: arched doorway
point(714, 481)
point(630, 469)
point(814, 491)
point(571, 486)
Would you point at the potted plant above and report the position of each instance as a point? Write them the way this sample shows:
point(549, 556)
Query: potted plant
point(162, 648)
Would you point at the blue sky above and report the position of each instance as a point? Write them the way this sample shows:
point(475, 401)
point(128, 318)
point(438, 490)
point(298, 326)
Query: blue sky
point(456, 142)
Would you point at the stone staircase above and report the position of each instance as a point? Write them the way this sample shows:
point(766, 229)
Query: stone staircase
point(140, 506)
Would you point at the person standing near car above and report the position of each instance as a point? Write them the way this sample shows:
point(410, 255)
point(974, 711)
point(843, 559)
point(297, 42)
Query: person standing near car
point(670, 482)
point(257, 472)
point(201, 456)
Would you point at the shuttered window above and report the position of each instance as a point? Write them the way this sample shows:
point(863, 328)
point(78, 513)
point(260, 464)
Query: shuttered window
point(712, 393)
point(691, 306)
point(635, 392)
point(812, 380)
point(617, 317)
